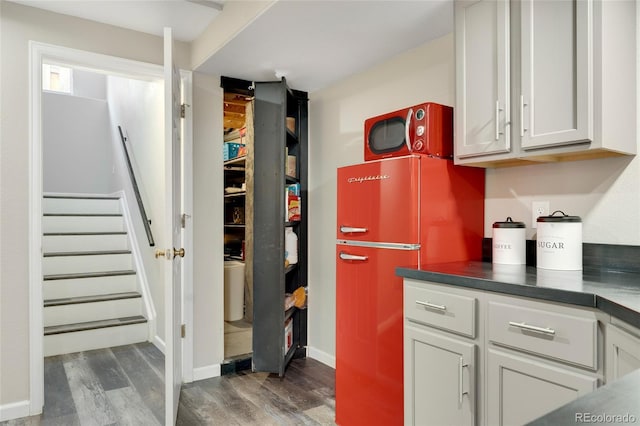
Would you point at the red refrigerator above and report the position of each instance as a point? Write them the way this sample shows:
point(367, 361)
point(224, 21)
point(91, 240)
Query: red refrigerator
point(402, 211)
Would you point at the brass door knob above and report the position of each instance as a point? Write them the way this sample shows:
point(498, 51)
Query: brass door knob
point(177, 252)
point(160, 253)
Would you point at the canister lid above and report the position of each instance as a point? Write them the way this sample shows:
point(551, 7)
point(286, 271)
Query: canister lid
point(563, 218)
point(509, 223)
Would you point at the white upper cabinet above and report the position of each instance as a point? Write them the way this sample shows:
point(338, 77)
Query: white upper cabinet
point(543, 80)
point(556, 99)
point(482, 43)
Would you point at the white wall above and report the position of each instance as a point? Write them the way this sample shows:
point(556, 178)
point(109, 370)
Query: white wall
point(137, 106)
point(336, 120)
point(18, 25)
point(89, 84)
point(77, 155)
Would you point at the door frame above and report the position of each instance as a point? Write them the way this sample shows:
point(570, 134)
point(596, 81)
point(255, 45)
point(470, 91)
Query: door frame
point(114, 66)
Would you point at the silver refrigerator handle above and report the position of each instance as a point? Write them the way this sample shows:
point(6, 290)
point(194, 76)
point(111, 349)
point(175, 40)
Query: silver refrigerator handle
point(347, 256)
point(347, 229)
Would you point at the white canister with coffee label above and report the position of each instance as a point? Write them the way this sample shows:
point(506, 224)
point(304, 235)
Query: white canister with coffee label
point(559, 242)
point(509, 243)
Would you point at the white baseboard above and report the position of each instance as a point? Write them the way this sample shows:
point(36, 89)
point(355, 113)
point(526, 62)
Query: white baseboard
point(206, 372)
point(159, 343)
point(15, 410)
point(321, 356)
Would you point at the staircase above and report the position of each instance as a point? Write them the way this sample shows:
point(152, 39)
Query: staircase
point(90, 291)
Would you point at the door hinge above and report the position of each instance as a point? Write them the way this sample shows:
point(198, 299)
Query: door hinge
point(183, 331)
point(183, 108)
point(183, 219)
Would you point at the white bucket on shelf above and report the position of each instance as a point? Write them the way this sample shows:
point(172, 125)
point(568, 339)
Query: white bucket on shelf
point(233, 290)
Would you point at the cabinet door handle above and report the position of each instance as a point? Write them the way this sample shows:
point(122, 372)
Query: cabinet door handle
point(498, 109)
point(347, 229)
point(431, 305)
point(347, 256)
point(461, 365)
point(529, 327)
point(522, 105)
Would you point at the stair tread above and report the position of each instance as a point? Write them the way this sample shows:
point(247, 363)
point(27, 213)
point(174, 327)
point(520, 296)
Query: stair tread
point(83, 197)
point(91, 325)
point(88, 275)
point(91, 299)
point(85, 253)
point(83, 214)
point(64, 234)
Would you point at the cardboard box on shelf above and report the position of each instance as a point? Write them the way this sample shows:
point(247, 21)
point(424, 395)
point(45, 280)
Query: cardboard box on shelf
point(288, 335)
point(290, 169)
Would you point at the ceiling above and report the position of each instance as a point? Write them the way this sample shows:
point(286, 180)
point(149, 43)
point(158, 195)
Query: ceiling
point(188, 18)
point(316, 43)
point(313, 43)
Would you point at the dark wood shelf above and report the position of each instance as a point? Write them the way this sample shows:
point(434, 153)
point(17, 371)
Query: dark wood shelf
point(289, 313)
point(235, 194)
point(290, 268)
point(292, 351)
point(274, 103)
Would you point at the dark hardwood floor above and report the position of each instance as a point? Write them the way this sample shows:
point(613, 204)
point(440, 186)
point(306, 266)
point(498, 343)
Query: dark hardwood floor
point(125, 386)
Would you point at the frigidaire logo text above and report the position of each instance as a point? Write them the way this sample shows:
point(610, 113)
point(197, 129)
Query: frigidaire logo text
point(361, 179)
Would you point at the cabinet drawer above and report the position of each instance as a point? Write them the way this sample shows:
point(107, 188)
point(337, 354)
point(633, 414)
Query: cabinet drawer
point(556, 335)
point(447, 311)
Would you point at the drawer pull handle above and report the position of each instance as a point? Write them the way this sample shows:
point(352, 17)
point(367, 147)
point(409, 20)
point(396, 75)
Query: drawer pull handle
point(461, 365)
point(528, 327)
point(431, 305)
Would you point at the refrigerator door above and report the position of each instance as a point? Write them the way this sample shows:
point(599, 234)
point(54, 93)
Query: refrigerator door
point(369, 361)
point(378, 201)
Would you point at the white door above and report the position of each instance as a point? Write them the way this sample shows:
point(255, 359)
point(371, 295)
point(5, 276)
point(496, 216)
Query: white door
point(439, 382)
point(521, 389)
point(556, 102)
point(173, 253)
point(482, 78)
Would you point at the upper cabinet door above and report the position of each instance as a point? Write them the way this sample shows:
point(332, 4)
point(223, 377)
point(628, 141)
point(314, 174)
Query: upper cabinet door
point(483, 111)
point(556, 101)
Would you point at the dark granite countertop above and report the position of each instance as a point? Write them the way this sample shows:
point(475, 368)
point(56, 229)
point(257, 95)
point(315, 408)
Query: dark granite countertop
point(613, 292)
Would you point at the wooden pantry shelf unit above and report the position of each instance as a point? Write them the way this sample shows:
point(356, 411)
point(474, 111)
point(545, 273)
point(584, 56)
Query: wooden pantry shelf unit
point(280, 159)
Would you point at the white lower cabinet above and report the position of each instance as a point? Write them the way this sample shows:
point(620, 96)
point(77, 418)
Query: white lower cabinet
point(622, 352)
point(521, 389)
point(440, 372)
point(478, 357)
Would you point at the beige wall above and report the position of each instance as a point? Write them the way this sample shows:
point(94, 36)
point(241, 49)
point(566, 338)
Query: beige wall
point(18, 25)
point(336, 120)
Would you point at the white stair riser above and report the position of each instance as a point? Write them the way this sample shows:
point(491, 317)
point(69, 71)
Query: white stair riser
point(66, 243)
point(80, 205)
point(95, 311)
point(65, 343)
point(87, 263)
point(82, 224)
point(77, 287)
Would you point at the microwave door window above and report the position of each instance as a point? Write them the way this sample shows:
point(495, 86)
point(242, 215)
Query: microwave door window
point(387, 135)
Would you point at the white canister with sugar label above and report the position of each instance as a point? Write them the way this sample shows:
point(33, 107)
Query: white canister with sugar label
point(559, 242)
